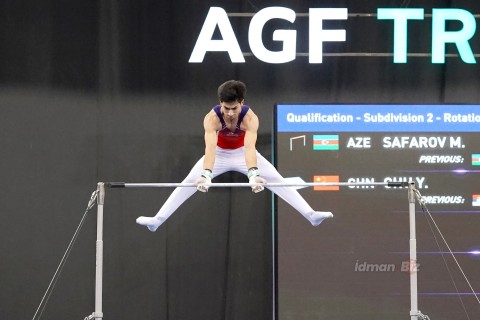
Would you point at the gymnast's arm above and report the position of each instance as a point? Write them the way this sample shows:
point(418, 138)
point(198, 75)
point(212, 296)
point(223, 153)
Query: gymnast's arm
point(206, 175)
point(210, 124)
point(251, 124)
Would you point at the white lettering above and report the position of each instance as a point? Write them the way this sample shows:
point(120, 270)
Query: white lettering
point(468, 118)
point(319, 117)
point(440, 159)
point(362, 183)
point(359, 142)
point(288, 37)
point(394, 118)
point(443, 199)
point(456, 142)
point(317, 35)
point(414, 142)
point(216, 17)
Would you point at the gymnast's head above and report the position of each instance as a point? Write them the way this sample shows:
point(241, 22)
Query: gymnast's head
point(232, 91)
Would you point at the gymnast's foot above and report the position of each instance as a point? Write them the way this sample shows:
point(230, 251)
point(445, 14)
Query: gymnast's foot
point(316, 217)
point(151, 223)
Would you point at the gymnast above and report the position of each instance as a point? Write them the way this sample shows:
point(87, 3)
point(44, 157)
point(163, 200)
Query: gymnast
point(230, 137)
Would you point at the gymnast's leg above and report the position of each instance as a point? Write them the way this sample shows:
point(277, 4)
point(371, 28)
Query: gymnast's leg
point(176, 199)
point(181, 194)
point(289, 194)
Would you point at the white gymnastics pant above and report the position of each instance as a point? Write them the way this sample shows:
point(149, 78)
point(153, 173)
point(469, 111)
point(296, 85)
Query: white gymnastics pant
point(234, 160)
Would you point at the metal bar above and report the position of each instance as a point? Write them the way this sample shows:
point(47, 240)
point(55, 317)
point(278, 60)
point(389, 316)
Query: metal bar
point(98, 314)
point(267, 185)
point(413, 253)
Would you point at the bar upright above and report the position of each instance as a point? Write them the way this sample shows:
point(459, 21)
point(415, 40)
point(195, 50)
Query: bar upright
point(98, 314)
point(413, 253)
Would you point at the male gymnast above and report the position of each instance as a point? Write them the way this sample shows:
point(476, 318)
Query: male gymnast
point(230, 137)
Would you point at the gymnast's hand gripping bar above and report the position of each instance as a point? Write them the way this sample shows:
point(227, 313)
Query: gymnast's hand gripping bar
point(267, 185)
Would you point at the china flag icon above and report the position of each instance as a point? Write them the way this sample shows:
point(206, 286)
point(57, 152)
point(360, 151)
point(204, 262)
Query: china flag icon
point(476, 200)
point(326, 179)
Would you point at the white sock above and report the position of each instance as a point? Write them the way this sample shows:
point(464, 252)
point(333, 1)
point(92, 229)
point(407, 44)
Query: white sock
point(317, 217)
point(152, 223)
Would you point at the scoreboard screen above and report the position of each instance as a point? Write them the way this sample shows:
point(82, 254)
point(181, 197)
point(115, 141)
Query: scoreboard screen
point(356, 265)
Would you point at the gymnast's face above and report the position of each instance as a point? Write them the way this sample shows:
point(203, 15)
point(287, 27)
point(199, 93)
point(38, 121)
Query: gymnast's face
point(231, 110)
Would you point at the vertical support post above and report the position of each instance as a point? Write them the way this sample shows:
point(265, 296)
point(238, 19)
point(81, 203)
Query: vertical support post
point(413, 253)
point(98, 314)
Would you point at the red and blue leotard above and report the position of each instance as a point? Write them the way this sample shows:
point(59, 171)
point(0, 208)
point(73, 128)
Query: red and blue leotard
point(228, 139)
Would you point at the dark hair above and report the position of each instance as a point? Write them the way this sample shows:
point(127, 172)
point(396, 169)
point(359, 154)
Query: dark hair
point(231, 91)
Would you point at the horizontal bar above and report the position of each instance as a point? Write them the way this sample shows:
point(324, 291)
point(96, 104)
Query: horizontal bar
point(241, 184)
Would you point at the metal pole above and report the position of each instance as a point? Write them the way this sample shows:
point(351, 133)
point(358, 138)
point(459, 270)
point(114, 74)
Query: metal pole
point(413, 253)
point(98, 314)
point(246, 184)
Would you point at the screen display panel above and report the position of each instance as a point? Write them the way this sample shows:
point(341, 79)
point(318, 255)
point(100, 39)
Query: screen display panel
point(356, 265)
